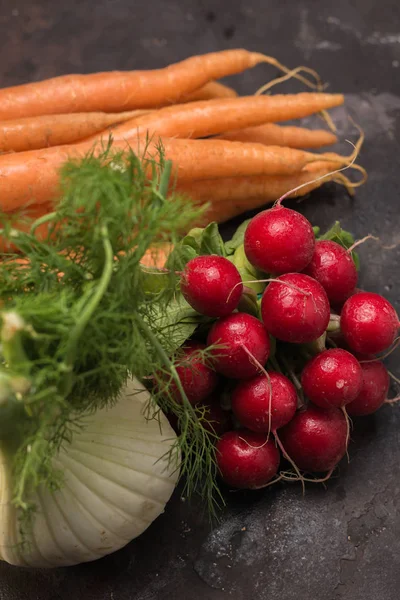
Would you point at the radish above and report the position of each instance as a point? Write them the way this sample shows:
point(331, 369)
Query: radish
point(212, 285)
point(335, 270)
point(279, 240)
point(332, 378)
point(369, 323)
point(216, 420)
point(316, 438)
point(374, 389)
point(198, 379)
point(338, 306)
point(295, 308)
point(246, 459)
point(243, 345)
point(265, 403)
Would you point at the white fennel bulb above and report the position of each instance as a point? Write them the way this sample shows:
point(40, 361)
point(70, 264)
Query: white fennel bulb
point(116, 481)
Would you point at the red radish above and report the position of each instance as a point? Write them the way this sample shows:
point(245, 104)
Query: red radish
point(374, 389)
point(216, 420)
point(279, 240)
point(332, 378)
point(338, 306)
point(335, 270)
point(197, 378)
point(263, 405)
point(212, 285)
point(369, 323)
point(244, 338)
point(173, 421)
point(296, 310)
point(246, 459)
point(316, 438)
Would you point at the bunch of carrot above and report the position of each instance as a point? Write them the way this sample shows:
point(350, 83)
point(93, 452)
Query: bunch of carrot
point(226, 150)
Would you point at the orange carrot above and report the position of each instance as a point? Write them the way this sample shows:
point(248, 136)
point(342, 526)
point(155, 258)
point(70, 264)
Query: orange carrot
point(23, 222)
point(206, 159)
point(210, 91)
point(126, 90)
point(233, 196)
point(31, 133)
point(27, 177)
point(210, 117)
point(157, 255)
point(277, 135)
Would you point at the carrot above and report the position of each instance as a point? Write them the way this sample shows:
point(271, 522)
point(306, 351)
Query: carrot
point(230, 197)
point(210, 91)
point(157, 255)
point(31, 133)
point(210, 117)
point(206, 159)
point(276, 135)
point(22, 222)
point(33, 176)
point(126, 90)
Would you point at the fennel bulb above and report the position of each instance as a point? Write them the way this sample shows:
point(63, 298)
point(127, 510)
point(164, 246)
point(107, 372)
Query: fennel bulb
point(116, 481)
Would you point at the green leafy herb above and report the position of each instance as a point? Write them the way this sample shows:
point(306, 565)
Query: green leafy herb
point(81, 315)
point(198, 242)
point(211, 242)
point(251, 276)
point(237, 239)
point(248, 303)
point(176, 324)
point(316, 231)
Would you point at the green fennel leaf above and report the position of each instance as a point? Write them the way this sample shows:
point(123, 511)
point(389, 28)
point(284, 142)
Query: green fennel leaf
point(251, 276)
point(237, 238)
point(80, 315)
point(177, 322)
point(197, 242)
point(211, 242)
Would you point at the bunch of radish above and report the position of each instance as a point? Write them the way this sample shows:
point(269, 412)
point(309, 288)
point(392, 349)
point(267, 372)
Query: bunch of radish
point(273, 406)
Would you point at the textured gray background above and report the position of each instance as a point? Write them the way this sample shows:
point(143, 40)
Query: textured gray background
point(339, 543)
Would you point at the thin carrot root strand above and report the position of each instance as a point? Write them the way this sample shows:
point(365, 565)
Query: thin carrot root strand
point(345, 181)
point(274, 62)
point(328, 120)
point(290, 192)
point(360, 141)
point(293, 73)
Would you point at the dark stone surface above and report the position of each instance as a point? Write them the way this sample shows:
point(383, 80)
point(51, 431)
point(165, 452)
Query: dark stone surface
point(342, 543)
